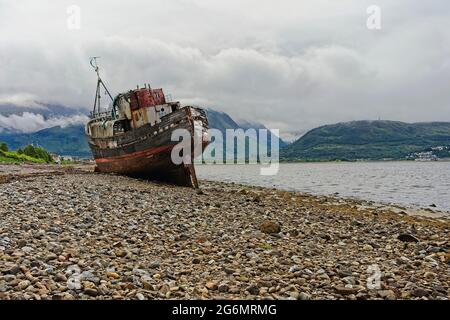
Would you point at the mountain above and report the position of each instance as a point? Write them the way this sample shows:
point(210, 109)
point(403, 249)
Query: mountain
point(45, 109)
point(222, 121)
point(70, 140)
point(369, 140)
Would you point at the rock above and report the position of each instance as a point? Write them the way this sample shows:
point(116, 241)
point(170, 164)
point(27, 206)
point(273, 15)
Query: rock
point(419, 292)
point(345, 291)
point(50, 256)
point(147, 285)
point(367, 247)
point(349, 280)
point(223, 288)
point(59, 277)
point(13, 270)
point(58, 296)
point(196, 261)
point(120, 253)
point(323, 276)
point(253, 289)
point(405, 237)
point(112, 275)
point(295, 295)
point(269, 226)
point(387, 294)
point(73, 284)
point(9, 277)
point(294, 268)
point(21, 243)
point(91, 292)
point(140, 296)
point(23, 284)
point(211, 285)
point(304, 296)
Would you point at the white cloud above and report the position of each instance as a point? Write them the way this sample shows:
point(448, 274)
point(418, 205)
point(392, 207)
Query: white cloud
point(31, 122)
point(21, 99)
point(290, 64)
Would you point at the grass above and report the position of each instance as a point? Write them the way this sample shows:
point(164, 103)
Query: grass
point(15, 158)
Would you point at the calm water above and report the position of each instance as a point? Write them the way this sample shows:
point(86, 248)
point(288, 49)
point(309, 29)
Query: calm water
point(417, 184)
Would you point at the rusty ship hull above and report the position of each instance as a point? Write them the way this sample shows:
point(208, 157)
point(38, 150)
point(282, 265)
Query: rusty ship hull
point(145, 152)
point(133, 136)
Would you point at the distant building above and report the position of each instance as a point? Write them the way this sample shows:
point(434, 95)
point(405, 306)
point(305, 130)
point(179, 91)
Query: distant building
point(67, 158)
point(56, 158)
point(423, 156)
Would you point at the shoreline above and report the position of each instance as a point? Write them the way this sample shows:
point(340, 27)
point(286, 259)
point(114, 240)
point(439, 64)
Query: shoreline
point(18, 171)
point(400, 209)
point(126, 238)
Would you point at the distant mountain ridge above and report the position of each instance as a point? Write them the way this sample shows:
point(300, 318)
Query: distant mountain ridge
point(367, 140)
point(71, 140)
point(45, 109)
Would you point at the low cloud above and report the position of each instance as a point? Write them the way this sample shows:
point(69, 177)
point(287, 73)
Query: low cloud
point(20, 100)
point(31, 122)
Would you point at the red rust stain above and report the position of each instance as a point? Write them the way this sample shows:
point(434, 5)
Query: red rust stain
point(135, 154)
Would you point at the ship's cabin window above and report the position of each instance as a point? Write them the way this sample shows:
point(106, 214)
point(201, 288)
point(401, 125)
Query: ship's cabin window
point(121, 126)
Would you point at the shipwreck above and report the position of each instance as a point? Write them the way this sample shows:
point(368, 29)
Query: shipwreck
point(134, 135)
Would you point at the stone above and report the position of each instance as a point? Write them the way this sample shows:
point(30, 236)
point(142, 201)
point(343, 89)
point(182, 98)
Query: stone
point(91, 292)
point(147, 285)
point(253, 289)
point(140, 296)
point(211, 285)
point(223, 288)
point(405, 237)
point(269, 226)
point(387, 294)
point(345, 291)
point(419, 292)
point(120, 253)
point(349, 280)
point(59, 277)
point(295, 295)
point(13, 270)
point(22, 285)
point(73, 284)
point(112, 275)
point(304, 296)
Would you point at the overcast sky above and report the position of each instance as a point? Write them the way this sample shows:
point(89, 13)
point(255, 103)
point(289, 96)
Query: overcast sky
point(291, 65)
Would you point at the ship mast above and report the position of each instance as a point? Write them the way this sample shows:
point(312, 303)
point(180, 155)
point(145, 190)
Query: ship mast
point(100, 84)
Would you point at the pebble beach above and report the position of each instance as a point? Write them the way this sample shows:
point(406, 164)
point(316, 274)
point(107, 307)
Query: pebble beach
point(73, 234)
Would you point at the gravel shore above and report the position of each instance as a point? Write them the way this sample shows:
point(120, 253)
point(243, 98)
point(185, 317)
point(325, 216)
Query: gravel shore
point(93, 236)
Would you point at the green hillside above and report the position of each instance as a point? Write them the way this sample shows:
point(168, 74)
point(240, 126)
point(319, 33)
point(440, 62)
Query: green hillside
point(69, 140)
point(369, 140)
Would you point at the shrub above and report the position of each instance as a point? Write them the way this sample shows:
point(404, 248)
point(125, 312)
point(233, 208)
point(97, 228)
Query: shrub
point(4, 147)
point(38, 153)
